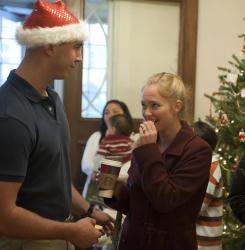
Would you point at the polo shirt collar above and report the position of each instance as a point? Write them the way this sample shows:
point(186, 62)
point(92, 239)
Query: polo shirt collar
point(27, 89)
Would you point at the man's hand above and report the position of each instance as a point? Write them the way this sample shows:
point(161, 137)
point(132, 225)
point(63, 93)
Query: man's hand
point(85, 234)
point(104, 220)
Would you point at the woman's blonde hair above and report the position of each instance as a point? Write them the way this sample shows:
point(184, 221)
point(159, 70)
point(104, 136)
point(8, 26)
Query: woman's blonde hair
point(170, 86)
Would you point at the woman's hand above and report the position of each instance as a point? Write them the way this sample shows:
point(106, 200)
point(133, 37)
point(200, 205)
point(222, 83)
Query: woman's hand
point(148, 133)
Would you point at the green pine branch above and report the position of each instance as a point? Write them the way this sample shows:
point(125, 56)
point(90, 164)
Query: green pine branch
point(228, 119)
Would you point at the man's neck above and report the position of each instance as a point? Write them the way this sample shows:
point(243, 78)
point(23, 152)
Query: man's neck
point(34, 76)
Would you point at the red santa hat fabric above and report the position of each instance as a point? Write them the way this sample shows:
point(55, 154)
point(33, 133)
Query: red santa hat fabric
point(50, 23)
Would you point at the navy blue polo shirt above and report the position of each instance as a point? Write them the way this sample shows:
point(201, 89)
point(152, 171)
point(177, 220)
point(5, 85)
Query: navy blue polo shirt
point(34, 148)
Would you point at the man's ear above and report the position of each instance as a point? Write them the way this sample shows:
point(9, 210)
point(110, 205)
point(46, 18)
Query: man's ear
point(49, 49)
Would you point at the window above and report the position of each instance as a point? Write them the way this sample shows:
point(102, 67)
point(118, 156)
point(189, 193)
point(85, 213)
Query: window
point(11, 51)
point(94, 90)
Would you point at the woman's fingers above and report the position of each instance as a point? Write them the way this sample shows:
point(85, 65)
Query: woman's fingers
point(148, 132)
point(147, 127)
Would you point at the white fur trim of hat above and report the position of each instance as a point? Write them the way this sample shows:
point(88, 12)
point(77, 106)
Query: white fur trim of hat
point(50, 23)
point(43, 36)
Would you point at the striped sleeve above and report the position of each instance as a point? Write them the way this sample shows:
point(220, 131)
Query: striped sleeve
point(209, 224)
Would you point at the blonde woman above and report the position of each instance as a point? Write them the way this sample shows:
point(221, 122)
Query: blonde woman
point(168, 175)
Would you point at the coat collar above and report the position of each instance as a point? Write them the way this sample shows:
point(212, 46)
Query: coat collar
point(182, 138)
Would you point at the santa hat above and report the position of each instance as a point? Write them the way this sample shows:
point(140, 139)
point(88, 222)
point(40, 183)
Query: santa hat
point(50, 23)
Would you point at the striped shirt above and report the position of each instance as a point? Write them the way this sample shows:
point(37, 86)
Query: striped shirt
point(114, 146)
point(209, 224)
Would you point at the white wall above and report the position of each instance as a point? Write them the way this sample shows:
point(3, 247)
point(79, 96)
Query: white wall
point(219, 24)
point(144, 41)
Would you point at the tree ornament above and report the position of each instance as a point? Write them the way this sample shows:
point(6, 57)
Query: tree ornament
point(243, 48)
point(223, 119)
point(242, 136)
point(231, 77)
point(216, 118)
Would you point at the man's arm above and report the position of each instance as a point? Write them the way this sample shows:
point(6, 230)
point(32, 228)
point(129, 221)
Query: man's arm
point(81, 206)
point(23, 224)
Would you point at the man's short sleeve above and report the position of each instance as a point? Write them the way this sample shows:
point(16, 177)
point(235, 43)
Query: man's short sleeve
point(15, 148)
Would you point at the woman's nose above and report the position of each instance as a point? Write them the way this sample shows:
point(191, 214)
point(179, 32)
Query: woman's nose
point(147, 112)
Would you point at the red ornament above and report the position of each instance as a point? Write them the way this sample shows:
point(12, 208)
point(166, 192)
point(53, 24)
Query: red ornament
point(243, 49)
point(223, 119)
point(242, 135)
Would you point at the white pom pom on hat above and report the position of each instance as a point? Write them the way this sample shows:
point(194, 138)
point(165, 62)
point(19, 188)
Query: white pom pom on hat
point(50, 23)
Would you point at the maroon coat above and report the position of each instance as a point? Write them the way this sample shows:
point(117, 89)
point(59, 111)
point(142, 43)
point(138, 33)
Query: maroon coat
point(164, 194)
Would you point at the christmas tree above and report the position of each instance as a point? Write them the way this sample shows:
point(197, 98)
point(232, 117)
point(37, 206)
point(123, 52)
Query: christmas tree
point(227, 116)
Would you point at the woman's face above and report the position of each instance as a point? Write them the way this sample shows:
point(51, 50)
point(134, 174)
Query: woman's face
point(111, 110)
point(161, 111)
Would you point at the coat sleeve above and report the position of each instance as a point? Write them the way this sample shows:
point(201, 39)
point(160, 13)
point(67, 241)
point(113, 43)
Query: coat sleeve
point(90, 150)
point(120, 203)
point(165, 189)
point(237, 192)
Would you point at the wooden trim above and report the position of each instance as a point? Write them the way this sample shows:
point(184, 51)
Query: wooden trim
point(187, 51)
point(73, 84)
point(72, 101)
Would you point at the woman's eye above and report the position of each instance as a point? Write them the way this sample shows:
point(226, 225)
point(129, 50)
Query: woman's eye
point(154, 106)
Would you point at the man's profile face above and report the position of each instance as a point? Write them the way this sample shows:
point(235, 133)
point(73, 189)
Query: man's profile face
point(65, 57)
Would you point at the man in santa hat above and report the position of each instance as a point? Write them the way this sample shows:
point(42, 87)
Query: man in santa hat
point(37, 196)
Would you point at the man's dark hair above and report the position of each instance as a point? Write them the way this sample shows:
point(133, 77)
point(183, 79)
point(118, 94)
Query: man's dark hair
point(206, 132)
point(122, 124)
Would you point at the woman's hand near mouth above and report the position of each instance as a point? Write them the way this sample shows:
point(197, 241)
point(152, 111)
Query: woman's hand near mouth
point(148, 133)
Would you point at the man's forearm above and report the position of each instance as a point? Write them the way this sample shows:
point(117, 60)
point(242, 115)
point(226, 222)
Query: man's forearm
point(79, 204)
point(23, 224)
